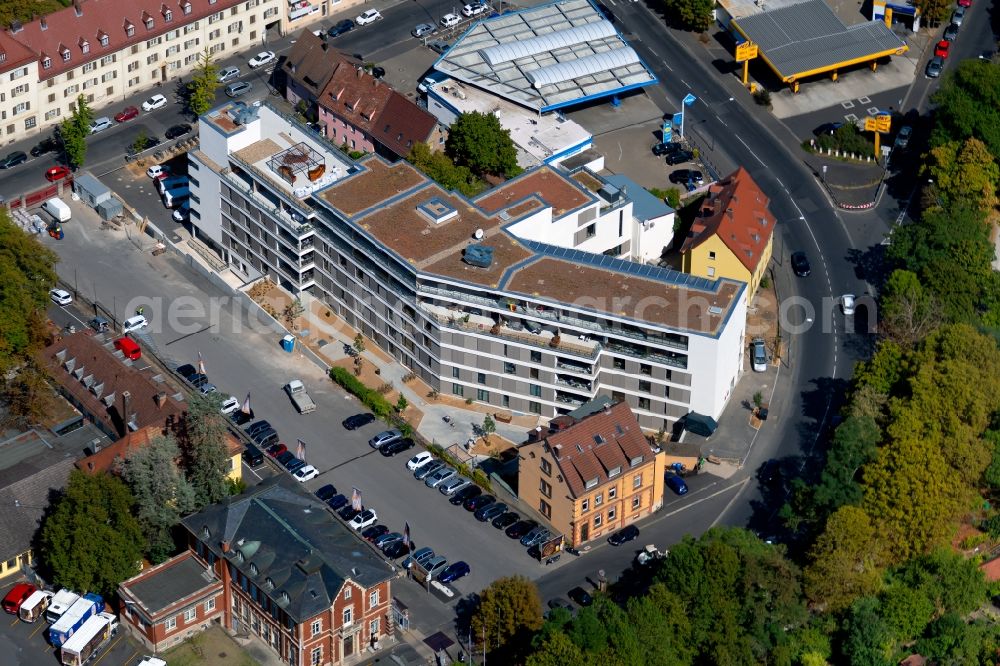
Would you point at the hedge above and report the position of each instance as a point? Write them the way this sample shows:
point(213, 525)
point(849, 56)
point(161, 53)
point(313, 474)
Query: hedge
point(370, 398)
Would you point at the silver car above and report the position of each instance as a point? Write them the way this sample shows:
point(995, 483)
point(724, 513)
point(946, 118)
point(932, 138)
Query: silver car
point(439, 477)
point(428, 469)
point(934, 67)
point(227, 74)
point(453, 485)
point(758, 355)
point(423, 29)
point(435, 566)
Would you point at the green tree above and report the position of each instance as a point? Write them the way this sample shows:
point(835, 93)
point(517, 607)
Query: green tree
point(557, 650)
point(952, 583)
point(139, 144)
point(906, 611)
point(74, 132)
point(204, 449)
point(909, 312)
point(91, 539)
point(952, 640)
point(359, 344)
point(846, 561)
point(694, 15)
point(965, 105)
point(478, 141)
point(27, 272)
point(509, 611)
point(204, 84)
point(444, 172)
point(964, 170)
point(402, 403)
point(489, 427)
point(867, 640)
point(660, 613)
point(162, 494)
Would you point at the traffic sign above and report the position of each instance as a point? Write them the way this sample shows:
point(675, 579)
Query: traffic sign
point(883, 123)
point(871, 124)
point(689, 99)
point(746, 51)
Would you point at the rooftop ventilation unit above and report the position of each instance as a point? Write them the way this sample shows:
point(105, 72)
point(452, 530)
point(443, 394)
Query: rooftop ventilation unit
point(437, 210)
point(478, 255)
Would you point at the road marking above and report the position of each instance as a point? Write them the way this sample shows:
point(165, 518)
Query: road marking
point(686, 84)
point(688, 505)
point(204, 328)
point(729, 504)
point(107, 650)
point(740, 139)
point(653, 52)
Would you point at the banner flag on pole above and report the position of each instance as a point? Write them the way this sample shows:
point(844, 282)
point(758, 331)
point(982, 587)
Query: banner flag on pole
point(246, 405)
point(406, 534)
point(201, 364)
point(300, 453)
point(356, 499)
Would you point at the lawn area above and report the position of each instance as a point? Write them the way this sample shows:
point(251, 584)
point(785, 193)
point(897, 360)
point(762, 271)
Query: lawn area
point(213, 646)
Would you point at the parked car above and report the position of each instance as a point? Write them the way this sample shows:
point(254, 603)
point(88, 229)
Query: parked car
point(384, 437)
point(13, 159)
point(475, 9)
point(276, 450)
point(348, 512)
point(800, 264)
point(364, 519)
point(422, 29)
point(559, 602)
point(385, 539)
point(951, 32)
point(847, 304)
point(238, 89)
point(265, 438)
point(478, 502)
point(357, 421)
point(665, 148)
point(439, 46)
point(827, 128)
point(676, 484)
point(535, 536)
point(258, 426)
point(207, 388)
point(60, 296)
point(284, 457)
point(687, 177)
point(396, 549)
point(392, 448)
point(229, 405)
point(306, 473)
point(435, 566)
point(679, 157)
point(57, 173)
point(153, 103)
point(454, 572)
point(453, 485)
point(903, 137)
point(624, 535)
point(134, 323)
point(580, 596)
point(942, 49)
point(340, 28)
point(375, 531)
point(100, 124)
point(758, 355)
point(49, 145)
point(186, 370)
point(508, 519)
point(490, 511)
point(158, 171)
point(227, 74)
point(177, 131)
point(261, 59)
point(439, 477)
point(419, 460)
point(295, 464)
point(934, 67)
point(368, 16)
point(449, 21)
point(326, 492)
point(520, 528)
point(127, 114)
point(428, 469)
point(419, 556)
point(17, 596)
point(465, 493)
point(958, 16)
point(197, 380)
point(337, 502)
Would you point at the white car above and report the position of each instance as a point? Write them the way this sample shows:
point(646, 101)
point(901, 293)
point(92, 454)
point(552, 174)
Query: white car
point(364, 519)
point(449, 21)
point(419, 460)
point(474, 10)
point(847, 304)
point(134, 324)
point(368, 16)
point(230, 405)
point(758, 355)
point(100, 124)
point(155, 102)
point(157, 171)
point(60, 296)
point(261, 59)
point(306, 473)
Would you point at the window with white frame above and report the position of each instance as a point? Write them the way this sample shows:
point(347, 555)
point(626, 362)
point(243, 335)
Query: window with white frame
point(598, 499)
point(130, 30)
point(636, 502)
point(373, 627)
point(637, 481)
point(190, 614)
point(19, 90)
point(46, 63)
point(316, 627)
point(612, 492)
point(210, 605)
point(316, 658)
point(585, 506)
point(348, 616)
point(18, 73)
point(347, 592)
point(105, 40)
point(373, 599)
point(170, 624)
point(186, 7)
point(89, 67)
point(108, 59)
point(597, 520)
point(612, 512)
point(29, 122)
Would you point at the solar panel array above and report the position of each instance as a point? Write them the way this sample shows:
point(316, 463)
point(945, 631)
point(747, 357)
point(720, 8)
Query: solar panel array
point(604, 261)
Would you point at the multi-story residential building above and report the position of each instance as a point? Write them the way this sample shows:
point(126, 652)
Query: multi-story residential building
point(591, 472)
point(733, 234)
point(107, 50)
point(273, 562)
point(479, 298)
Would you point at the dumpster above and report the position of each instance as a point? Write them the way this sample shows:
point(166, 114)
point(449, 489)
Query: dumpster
point(288, 343)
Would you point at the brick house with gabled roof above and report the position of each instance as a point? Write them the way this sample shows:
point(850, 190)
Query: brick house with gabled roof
point(591, 472)
point(308, 67)
point(363, 113)
point(291, 573)
point(733, 234)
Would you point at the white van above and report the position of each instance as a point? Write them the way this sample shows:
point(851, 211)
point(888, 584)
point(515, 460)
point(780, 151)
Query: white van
point(133, 324)
point(35, 605)
point(58, 209)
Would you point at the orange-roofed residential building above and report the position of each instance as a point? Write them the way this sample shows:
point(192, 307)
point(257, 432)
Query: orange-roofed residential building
point(733, 233)
point(592, 472)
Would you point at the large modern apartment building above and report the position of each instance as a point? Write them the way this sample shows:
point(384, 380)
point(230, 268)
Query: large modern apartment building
point(108, 50)
point(506, 299)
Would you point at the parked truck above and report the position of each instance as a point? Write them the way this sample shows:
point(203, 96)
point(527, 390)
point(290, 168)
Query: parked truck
point(35, 605)
point(60, 604)
point(95, 632)
point(89, 605)
point(296, 390)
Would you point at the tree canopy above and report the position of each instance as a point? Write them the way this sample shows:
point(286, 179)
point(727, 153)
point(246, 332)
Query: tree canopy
point(477, 140)
point(91, 539)
point(74, 132)
point(204, 451)
point(509, 611)
point(204, 83)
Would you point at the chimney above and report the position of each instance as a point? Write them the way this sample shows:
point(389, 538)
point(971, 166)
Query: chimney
point(730, 212)
point(126, 400)
point(161, 399)
point(535, 435)
point(225, 546)
point(43, 23)
point(78, 7)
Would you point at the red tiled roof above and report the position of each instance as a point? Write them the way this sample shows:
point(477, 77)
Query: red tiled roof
point(15, 54)
point(69, 29)
point(311, 61)
point(991, 570)
point(736, 211)
point(597, 444)
point(103, 368)
point(403, 124)
point(104, 460)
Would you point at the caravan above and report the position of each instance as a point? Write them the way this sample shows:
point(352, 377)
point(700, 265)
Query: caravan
point(34, 606)
point(173, 197)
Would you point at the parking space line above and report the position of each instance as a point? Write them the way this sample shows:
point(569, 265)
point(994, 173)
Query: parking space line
point(40, 626)
point(349, 461)
point(109, 648)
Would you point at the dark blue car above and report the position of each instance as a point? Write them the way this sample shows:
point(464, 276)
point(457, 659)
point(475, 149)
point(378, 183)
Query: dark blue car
point(326, 492)
point(454, 571)
point(676, 484)
point(337, 502)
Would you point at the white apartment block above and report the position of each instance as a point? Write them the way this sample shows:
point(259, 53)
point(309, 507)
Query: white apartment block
point(109, 50)
point(505, 299)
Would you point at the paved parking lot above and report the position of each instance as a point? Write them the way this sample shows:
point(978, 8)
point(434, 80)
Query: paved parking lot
point(23, 644)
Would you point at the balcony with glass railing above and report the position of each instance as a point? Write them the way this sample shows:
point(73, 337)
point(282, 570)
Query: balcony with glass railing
point(646, 354)
point(292, 217)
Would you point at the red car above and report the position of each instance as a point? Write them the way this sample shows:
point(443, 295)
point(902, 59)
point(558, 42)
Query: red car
point(942, 48)
point(965, 3)
point(57, 173)
point(17, 596)
point(128, 113)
